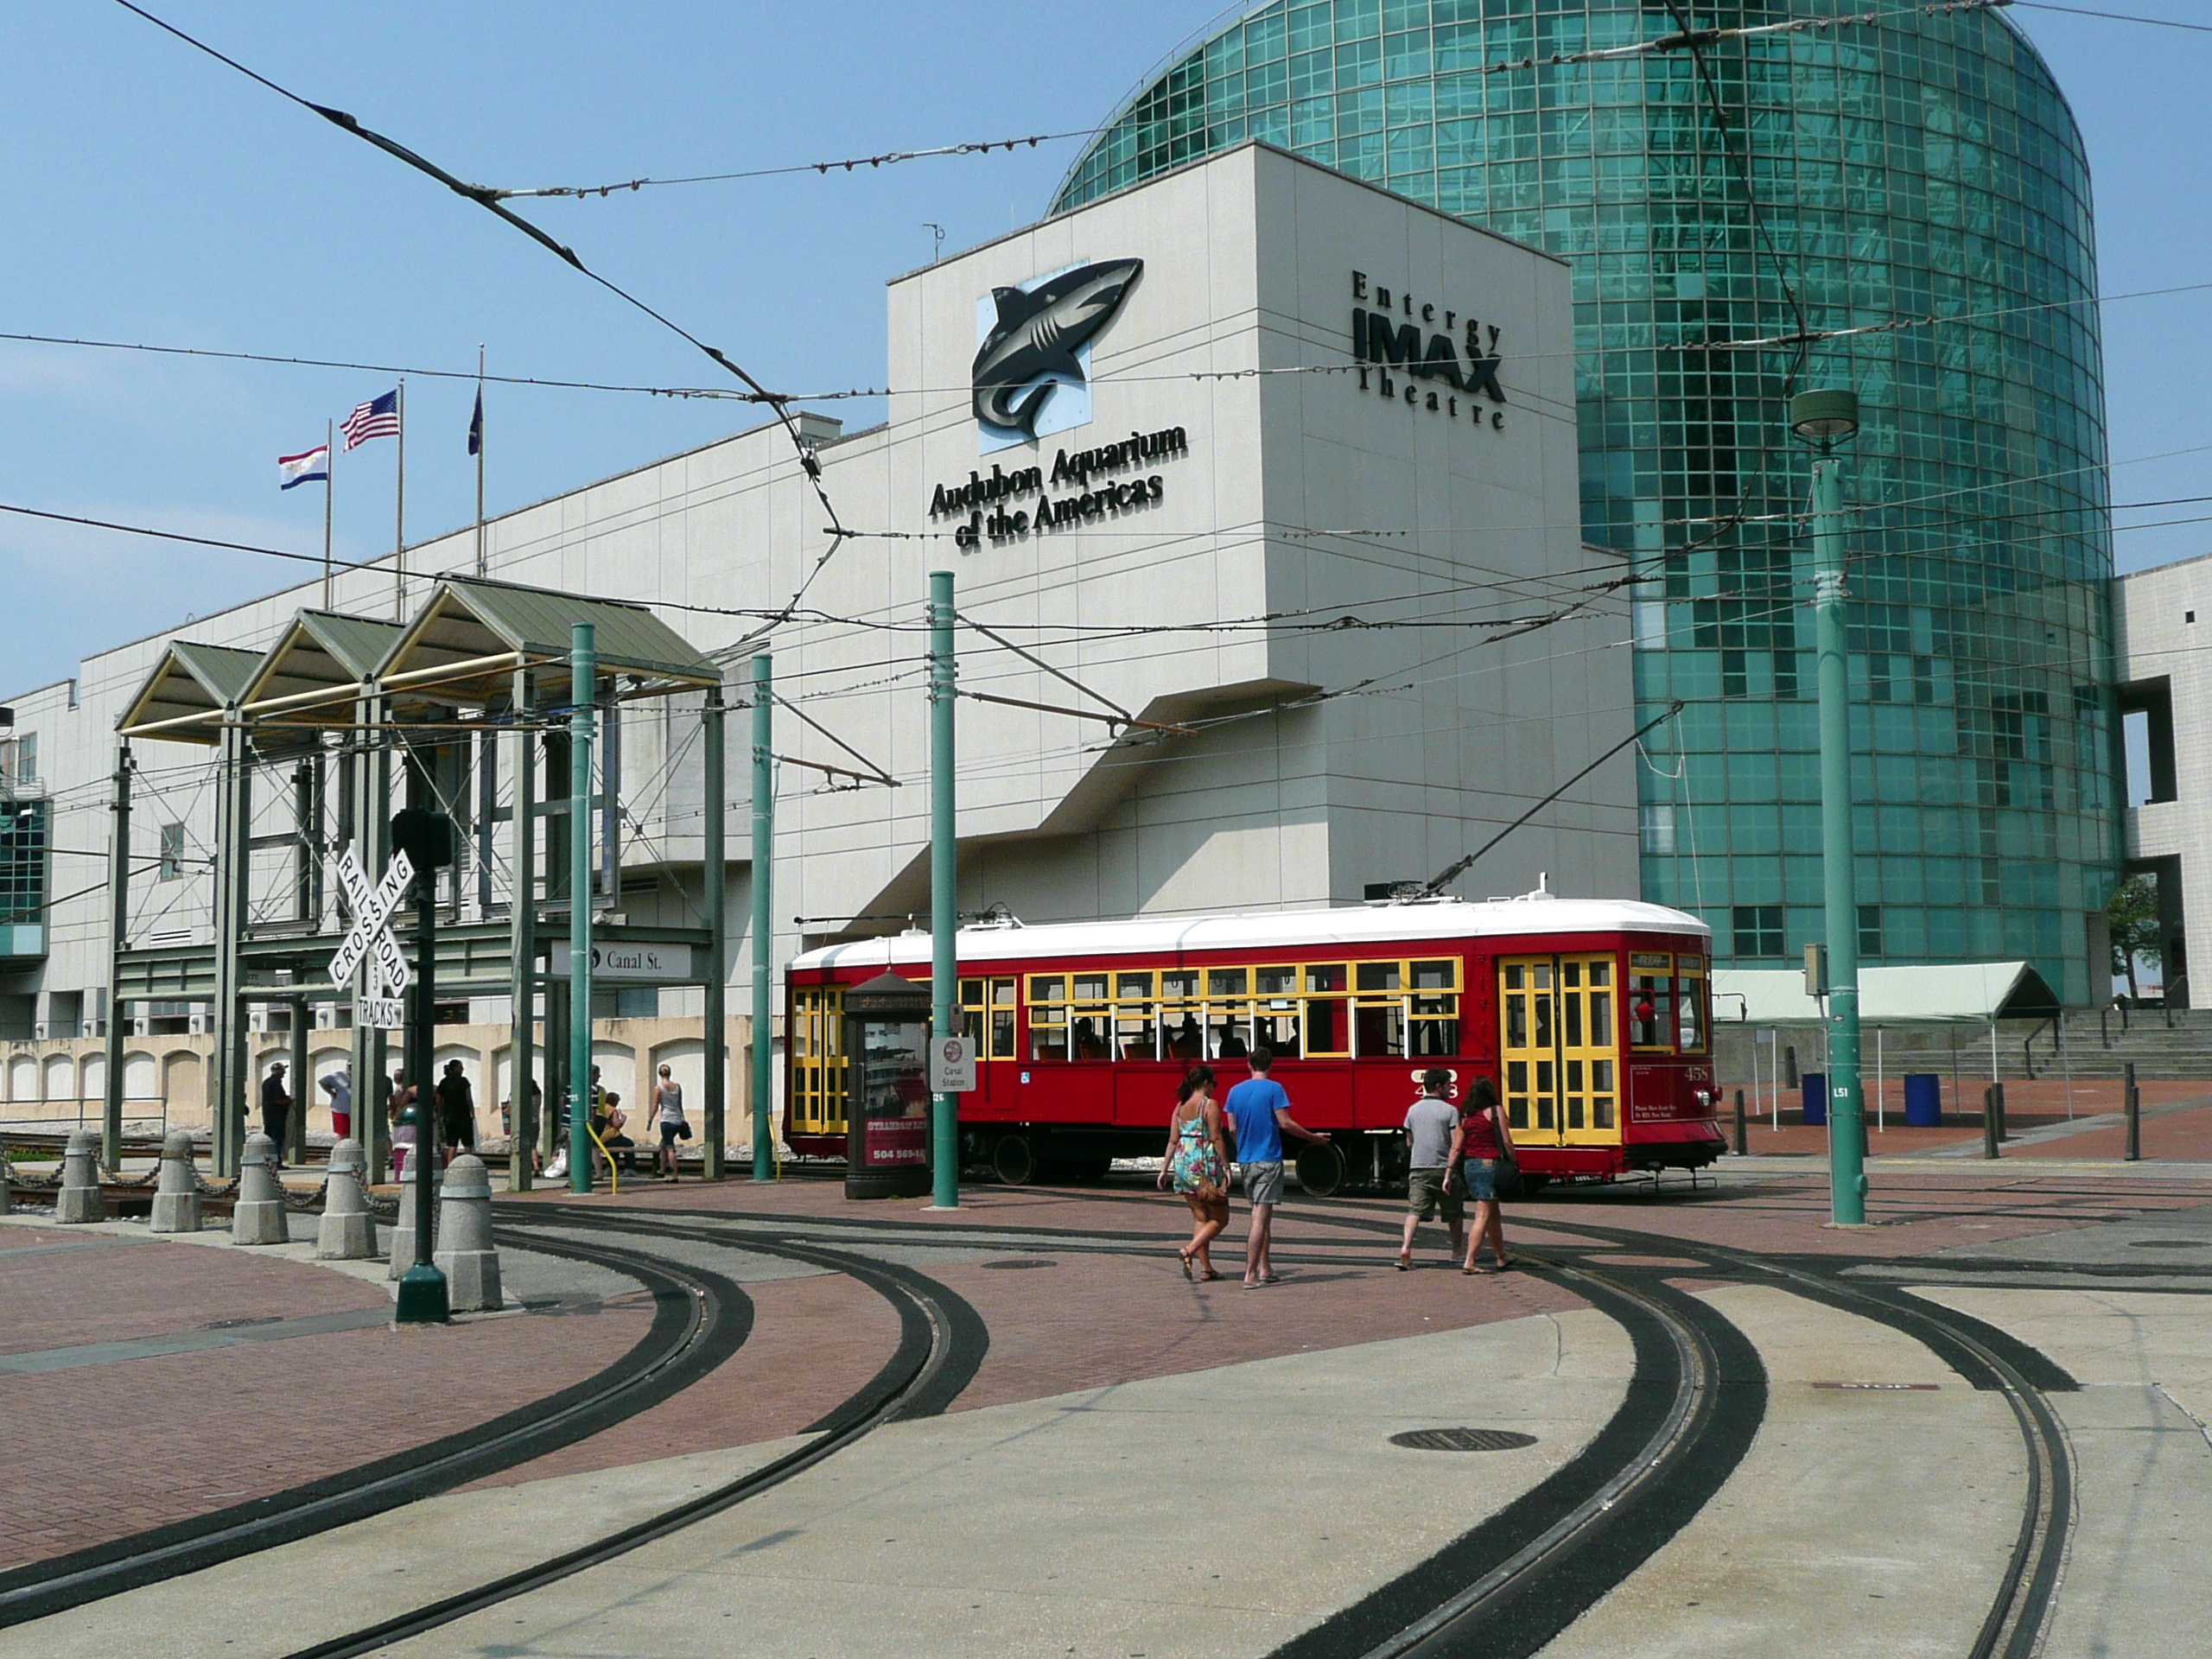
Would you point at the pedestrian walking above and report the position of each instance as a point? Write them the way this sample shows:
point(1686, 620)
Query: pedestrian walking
point(1434, 1139)
point(456, 1111)
point(668, 1102)
point(276, 1108)
point(406, 1127)
point(1484, 1142)
point(1259, 1114)
point(1197, 1167)
point(338, 1085)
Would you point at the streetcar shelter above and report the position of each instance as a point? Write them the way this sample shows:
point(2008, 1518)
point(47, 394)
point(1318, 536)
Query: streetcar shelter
point(464, 709)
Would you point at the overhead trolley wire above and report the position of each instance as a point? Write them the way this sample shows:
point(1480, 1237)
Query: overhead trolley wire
point(485, 197)
point(850, 164)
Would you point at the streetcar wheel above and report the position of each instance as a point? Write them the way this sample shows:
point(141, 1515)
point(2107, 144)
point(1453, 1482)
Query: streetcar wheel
point(1013, 1160)
point(1320, 1170)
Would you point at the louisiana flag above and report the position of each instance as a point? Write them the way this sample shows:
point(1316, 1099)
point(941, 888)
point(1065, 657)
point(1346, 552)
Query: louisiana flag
point(312, 468)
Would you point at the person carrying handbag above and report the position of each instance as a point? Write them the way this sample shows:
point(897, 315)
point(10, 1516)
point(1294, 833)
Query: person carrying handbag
point(1486, 1163)
point(1197, 1166)
point(668, 1101)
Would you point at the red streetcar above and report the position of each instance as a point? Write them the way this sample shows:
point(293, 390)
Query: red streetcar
point(1590, 1015)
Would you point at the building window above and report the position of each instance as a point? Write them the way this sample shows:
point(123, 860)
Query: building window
point(1758, 931)
point(19, 758)
point(172, 865)
point(1870, 930)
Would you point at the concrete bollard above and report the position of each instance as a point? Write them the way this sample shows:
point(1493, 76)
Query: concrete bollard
point(403, 1234)
point(466, 1255)
point(258, 1215)
point(348, 1231)
point(176, 1202)
point(80, 1197)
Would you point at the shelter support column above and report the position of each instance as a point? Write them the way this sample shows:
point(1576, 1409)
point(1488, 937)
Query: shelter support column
point(715, 1024)
point(227, 1092)
point(369, 812)
point(118, 927)
point(521, 1050)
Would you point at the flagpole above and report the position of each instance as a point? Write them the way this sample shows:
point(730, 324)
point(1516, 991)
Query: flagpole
point(329, 489)
point(480, 459)
point(399, 516)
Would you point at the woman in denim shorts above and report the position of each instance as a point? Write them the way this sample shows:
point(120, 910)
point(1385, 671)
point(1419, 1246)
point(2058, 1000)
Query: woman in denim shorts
point(1483, 1139)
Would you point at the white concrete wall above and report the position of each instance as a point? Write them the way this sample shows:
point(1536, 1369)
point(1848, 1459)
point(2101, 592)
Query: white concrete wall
point(2162, 625)
point(1298, 493)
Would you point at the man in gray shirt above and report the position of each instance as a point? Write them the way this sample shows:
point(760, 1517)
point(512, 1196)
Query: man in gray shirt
point(1433, 1135)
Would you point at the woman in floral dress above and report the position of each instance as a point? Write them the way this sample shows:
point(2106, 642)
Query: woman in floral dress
point(1197, 1167)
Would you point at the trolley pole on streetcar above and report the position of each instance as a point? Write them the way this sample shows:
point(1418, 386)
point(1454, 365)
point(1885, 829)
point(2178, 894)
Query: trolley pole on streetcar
point(583, 664)
point(1825, 418)
point(763, 927)
point(945, 873)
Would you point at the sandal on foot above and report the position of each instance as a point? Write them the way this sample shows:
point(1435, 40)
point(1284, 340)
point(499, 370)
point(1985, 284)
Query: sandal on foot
point(1404, 1261)
point(1183, 1258)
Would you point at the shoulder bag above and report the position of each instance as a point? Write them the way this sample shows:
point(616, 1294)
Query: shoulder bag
point(1505, 1181)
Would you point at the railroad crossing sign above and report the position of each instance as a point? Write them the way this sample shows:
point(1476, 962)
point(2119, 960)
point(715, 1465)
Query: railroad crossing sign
point(370, 937)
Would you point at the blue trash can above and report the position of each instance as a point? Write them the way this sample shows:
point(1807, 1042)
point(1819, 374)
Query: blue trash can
point(1816, 1098)
point(1924, 1100)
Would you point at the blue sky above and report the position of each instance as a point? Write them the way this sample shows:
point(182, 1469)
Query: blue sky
point(154, 195)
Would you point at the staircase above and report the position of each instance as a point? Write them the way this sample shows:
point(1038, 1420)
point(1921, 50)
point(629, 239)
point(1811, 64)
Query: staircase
point(2182, 1050)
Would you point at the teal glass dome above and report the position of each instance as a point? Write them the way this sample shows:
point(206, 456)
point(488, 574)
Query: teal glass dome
point(1866, 176)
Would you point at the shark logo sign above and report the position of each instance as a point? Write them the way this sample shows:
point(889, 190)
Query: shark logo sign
point(1033, 362)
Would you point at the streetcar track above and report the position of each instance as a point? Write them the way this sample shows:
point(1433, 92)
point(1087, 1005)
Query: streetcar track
point(700, 1318)
point(1989, 1359)
point(1506, 1587)
point(939, 1349)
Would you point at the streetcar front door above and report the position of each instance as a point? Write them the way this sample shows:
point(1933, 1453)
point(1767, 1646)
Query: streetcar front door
point(1558, 1040)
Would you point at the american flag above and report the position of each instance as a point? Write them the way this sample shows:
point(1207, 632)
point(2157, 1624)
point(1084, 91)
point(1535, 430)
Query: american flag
point(377, 418)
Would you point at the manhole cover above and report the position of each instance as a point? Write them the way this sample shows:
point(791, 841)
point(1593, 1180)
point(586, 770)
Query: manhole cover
point(239, 1325)
point(1023, 1262)
point(1462, 1439)
point(2170, 1243)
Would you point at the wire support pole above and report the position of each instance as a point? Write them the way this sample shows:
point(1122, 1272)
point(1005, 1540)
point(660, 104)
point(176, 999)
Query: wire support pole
point(476, 441)
point(1845, 1106)
point(944, 874)
point(584, 665)
point(764, 926)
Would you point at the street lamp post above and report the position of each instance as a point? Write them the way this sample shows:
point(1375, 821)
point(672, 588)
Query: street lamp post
point(1825, 418)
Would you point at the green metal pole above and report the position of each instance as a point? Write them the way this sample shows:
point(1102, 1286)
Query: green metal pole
point(714, 878)
point(763, 924)
point(944, 871)
point(1847, 1110)
point(583, 661)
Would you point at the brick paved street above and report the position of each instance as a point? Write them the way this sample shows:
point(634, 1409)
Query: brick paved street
point(114, 1448)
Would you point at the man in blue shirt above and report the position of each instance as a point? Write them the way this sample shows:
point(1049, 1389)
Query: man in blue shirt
point(1259, 1112)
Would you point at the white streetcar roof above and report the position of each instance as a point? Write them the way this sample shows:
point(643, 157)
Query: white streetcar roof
point(1352, 926)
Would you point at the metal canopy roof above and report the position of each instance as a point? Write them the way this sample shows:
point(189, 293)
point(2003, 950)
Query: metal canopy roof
point(183, 698)
point(484, 631)
point(319, 651)
point(1976, 992)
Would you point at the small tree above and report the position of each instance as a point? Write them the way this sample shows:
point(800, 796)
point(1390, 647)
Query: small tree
point(2134, 913)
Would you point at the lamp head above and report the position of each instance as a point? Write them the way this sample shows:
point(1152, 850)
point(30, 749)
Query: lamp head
point(1825, 416)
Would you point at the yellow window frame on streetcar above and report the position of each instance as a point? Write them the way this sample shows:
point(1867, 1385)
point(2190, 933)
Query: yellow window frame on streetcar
point(1391, 1008)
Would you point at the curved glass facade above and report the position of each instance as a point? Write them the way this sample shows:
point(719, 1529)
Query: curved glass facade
point(1865, 175)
